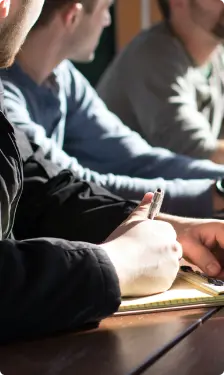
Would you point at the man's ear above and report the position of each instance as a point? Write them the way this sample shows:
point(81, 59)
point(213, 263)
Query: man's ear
point(73, 13)
point(4, 8)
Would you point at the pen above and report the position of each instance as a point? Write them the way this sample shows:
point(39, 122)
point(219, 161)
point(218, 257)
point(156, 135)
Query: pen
point(156, 204)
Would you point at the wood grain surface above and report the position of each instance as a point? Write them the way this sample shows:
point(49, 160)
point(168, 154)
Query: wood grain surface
point(200, 353)
point(118, 347)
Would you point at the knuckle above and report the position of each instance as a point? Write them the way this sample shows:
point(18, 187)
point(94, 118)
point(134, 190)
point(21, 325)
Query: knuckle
point(177, 248)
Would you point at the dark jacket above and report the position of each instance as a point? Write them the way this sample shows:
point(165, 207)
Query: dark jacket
point(47, 285)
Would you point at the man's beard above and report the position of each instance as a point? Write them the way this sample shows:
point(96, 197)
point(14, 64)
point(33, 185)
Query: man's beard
point(11, 37)
point(8, 46)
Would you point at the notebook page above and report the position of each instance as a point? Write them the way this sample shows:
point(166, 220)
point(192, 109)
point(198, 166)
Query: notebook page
point(181, 294)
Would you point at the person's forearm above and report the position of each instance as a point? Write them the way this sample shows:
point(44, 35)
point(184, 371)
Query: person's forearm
point(175, 221)
point(217, 205)
point(217, 202)
point(182, 197)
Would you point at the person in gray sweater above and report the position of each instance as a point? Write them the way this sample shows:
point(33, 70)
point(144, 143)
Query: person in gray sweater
point(54, 104)
point(168, 83)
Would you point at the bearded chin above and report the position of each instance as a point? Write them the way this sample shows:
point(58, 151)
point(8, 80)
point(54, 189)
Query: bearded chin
point(10, 44)
point(6, 59)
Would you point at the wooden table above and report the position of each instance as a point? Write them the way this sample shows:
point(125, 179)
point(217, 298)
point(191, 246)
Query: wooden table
point(121, 346)
point(202, 352)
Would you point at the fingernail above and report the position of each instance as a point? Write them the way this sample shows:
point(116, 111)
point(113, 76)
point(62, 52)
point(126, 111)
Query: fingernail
point(213, 268)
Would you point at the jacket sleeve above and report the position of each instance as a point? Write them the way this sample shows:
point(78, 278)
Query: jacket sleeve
point(51, 285)
point(10, 177)
point(46, 285)
point(97, 142)
point(99, 139)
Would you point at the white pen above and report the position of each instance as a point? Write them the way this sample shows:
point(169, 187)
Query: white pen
point(156, 204)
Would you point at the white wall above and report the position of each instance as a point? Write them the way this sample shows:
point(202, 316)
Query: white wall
point(145, 13)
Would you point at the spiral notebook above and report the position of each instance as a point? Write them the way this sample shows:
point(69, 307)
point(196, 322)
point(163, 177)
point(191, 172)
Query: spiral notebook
point(191, 289)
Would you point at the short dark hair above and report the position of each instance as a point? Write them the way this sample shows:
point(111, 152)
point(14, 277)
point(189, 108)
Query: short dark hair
point(52, 6)
point(164, 6)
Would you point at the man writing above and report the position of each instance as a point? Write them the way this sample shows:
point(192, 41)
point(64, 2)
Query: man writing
point(50, 285)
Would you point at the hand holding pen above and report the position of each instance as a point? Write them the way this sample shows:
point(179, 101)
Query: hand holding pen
point(156, 204)
point(138, 244)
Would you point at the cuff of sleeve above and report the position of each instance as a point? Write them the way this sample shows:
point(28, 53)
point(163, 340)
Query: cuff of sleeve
point(112, 295)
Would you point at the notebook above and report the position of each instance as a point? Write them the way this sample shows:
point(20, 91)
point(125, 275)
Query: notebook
point(191, 289)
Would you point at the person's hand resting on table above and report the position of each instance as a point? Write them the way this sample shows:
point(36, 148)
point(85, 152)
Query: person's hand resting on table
point(202, 242)
point(145, 253)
